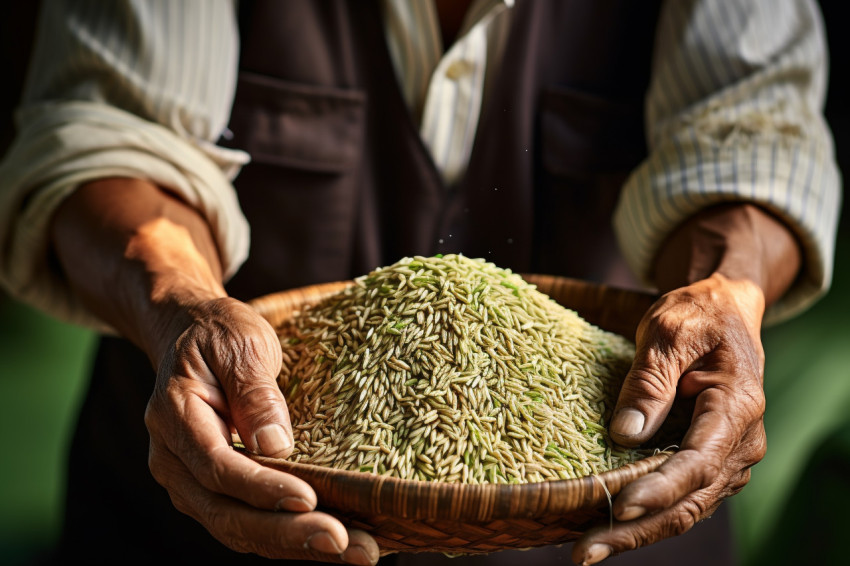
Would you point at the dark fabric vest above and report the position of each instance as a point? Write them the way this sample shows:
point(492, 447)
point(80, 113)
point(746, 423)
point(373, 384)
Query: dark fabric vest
point(340, 183)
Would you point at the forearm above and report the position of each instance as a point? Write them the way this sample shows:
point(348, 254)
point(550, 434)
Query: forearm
point(138, 257)
point(740, 241)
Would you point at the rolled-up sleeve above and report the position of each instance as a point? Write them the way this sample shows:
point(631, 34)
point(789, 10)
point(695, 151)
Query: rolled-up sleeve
point(120, 89)
point(734, 113)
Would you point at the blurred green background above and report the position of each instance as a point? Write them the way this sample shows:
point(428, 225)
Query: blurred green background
point(43, 365)
point(797, 494)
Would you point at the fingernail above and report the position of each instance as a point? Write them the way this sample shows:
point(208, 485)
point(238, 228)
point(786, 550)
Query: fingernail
point(272, 439)
point(596, 553)
point(323, 542)
point(628, 422)
point(357, 555)
point(296, 504)
point(633, 512)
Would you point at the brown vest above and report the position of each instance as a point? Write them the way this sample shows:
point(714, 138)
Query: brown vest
point(340, 183)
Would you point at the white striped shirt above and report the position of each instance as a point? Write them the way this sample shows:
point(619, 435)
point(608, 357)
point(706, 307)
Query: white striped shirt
point(125, 88)
point(445, 91)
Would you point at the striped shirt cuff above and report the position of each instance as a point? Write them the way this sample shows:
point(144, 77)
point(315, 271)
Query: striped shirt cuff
point(69, 143)
point(788, 173)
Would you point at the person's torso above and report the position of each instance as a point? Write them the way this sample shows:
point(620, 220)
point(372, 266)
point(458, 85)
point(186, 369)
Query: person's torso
point(340, 181)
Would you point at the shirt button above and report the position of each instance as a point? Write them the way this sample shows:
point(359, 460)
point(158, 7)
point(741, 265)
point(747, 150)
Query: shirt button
point(458, 69)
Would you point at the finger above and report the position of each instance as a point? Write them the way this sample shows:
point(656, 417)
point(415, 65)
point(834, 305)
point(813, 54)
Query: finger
point(645, 398)
point(247, 365)
point(313, 535)
point(682, 474)
point(670, 341)
point(243, 528)
point(205, 451)
point(362, 548)
point(601, 542)
point(718, 438)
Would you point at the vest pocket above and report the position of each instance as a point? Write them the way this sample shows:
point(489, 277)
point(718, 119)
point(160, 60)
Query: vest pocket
point(308, 127)
point(302, 191)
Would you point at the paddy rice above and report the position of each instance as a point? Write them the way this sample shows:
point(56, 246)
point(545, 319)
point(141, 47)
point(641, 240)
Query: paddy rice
point(452, 369)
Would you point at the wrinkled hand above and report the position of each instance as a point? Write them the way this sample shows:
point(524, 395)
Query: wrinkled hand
point(702, 340)
point(219, 377)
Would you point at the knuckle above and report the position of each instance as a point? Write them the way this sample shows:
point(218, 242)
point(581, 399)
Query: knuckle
point(757, 448)
point(739, 481)
point(745, 416)
point(250, 359)
point(151, 418)
point(162, 466)
point(676, 521)
point(254, 402)
point(182, 504)
point(221, 523)
point(638, 539)
point(739, 410)
point(239, 339)
point(649, 381)
point(156, 467)
point(644, 536)
point(705, 468)
point(248, 352)
point(690, 513)
point(711, 471)
point(212, 475)
point(666, 325)
point(758, 403)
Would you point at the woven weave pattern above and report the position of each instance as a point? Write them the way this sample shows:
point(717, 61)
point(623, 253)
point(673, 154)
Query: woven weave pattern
point(407, 535)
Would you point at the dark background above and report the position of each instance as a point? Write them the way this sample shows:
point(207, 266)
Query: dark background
point(792, 512)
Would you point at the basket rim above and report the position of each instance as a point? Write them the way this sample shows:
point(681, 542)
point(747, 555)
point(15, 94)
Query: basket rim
point(464, 502)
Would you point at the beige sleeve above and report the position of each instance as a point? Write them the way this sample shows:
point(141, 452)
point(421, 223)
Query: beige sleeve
point(134, 88)
point(735, 114)
point(67, 144)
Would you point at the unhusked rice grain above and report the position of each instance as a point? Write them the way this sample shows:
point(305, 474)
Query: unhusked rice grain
point(452, 369)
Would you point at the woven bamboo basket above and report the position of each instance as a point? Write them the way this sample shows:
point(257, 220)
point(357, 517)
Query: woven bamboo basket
point(417, 516)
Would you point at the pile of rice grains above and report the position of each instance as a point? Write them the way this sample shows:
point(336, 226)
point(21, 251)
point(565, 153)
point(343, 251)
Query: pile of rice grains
point(451, 369)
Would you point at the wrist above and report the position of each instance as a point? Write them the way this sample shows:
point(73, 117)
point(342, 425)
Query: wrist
point(137, 257)
point(745, 294)
point(739, 241)
point(172, 280)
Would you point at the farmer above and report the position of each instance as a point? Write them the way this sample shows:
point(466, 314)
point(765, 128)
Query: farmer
point(679, 147)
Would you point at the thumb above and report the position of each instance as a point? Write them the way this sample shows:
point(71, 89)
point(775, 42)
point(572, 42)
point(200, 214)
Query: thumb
point(262, 420)
point(248, 373)
point(648, 391)
point(642, 406)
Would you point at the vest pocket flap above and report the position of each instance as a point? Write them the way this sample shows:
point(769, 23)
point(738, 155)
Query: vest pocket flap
point(583, 133)
point(310, 127)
